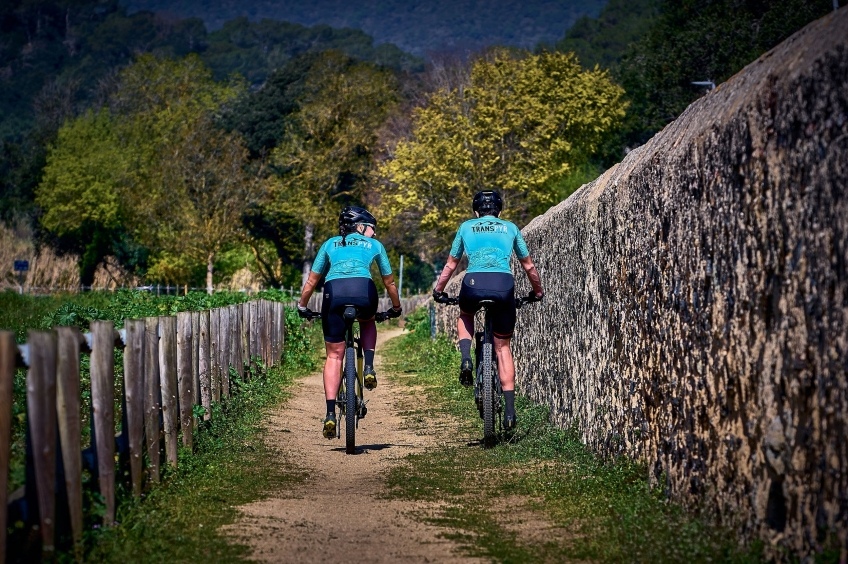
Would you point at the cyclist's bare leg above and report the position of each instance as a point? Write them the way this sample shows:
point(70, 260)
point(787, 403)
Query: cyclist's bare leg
point(333, 369)
point(465, 325)
point(506, 367)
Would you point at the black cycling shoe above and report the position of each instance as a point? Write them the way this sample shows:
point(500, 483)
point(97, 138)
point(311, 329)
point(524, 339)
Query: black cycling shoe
point(466, 372)
point(509, 422)
point(329, 430)
point(370, 377)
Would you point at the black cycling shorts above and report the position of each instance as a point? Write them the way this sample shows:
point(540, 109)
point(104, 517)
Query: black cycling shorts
point(496, 286)
point(358, 292)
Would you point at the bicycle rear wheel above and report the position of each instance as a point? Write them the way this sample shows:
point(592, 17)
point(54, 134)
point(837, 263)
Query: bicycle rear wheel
point(350, 400)
point(488, 396)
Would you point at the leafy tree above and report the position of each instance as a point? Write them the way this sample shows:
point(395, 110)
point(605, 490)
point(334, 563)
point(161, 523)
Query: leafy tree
point(604, 40)
point(325, 156)
point(700, 40)
point(520, 125)
point(81, 186)
point(156, 163)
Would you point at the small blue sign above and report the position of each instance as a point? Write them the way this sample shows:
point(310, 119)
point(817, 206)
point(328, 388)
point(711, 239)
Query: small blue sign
point(21, 265)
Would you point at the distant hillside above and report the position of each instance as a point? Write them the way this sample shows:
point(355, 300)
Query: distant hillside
point(53, 56)
point(416, 26)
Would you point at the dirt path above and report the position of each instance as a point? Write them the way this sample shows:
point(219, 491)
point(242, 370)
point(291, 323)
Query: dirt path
point(311, 524)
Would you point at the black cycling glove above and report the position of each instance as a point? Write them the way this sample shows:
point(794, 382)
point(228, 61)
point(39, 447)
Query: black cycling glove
point(440, 297)
point(304, 312)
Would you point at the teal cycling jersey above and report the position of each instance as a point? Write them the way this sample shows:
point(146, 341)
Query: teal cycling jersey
point(352, 260)
point(489, 242)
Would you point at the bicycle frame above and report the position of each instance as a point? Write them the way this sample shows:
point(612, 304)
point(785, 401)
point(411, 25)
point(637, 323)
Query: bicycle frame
point(350, 397)
point(488, 392)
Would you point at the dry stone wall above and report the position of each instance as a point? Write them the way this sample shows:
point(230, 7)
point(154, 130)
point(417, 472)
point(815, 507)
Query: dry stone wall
point(696, 315)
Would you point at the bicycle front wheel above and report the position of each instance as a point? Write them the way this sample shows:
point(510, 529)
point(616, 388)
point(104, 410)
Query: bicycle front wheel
point(350, 400)
point(488, 395)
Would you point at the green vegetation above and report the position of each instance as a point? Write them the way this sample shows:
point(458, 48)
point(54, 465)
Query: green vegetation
point(656, 48)
point(434, 26)
point(520, 123)
point(180, 517)
point(599, 510)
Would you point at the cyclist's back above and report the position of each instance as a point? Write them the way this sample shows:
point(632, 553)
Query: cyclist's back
point(489, 242)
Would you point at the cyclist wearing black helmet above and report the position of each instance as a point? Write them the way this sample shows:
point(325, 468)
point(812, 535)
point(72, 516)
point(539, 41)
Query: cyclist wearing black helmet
point(345, 261)
point(489, 243)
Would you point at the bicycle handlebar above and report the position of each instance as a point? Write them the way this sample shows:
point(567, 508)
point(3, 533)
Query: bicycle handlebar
point(526, 300)
point(454, 300)
point(379, 317)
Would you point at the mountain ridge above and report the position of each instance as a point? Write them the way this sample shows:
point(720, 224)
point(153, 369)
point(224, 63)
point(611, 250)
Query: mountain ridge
point(418, 27)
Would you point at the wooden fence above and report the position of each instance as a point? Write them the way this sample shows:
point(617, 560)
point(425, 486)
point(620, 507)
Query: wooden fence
point(171, 364)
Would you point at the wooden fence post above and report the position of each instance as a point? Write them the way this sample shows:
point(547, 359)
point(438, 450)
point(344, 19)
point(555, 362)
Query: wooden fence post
point(185, 377)
point(254, 331)
point(235, 341)
point(103, 410)
point(224, 350)
point(152, 395)
point(265, 343)
point(214, 357)
point(168, 382)
point(134, 394)
point(195, 359)
point(8, 354)
point(245, 333)
point(41, 419)
point(70, 426)
point(204, 372)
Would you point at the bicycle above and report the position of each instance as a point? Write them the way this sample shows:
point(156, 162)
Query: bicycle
point(351, 399)
point(488, 394)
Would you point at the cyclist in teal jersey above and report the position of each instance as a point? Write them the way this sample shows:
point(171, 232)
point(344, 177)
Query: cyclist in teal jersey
point(344, 262)
point(489, 242)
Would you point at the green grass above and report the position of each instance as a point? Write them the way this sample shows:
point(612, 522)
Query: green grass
point(600, 511)
point(181, 519)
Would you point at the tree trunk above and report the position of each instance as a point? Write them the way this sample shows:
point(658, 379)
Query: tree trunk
point(209, 266)
point(308, 250)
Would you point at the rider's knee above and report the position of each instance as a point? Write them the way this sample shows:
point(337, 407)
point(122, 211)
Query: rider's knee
point(502, 343)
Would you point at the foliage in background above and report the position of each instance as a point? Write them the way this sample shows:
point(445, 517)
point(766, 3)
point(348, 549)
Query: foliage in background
point(56, 52)
point(325, 154)
point(603, 40)
point(656, 48)
point(520, 125)
point(154, 164)
point(421, 28)
point(589, 509)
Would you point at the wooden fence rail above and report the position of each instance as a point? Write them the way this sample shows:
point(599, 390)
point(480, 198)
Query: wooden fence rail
point(171, 364)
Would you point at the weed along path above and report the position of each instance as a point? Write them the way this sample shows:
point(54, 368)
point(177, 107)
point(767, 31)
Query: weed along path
point(341, 511)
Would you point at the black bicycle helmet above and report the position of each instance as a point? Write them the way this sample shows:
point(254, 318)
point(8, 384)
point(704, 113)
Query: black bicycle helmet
point(487, 202)
point(350, 217)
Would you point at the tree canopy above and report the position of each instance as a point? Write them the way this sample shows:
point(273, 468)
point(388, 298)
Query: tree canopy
point(519, 125)
point(154, 162)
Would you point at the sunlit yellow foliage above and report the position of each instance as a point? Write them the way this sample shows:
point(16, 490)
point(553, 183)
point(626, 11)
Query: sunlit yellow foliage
point(519, 125)
point(326, 152)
